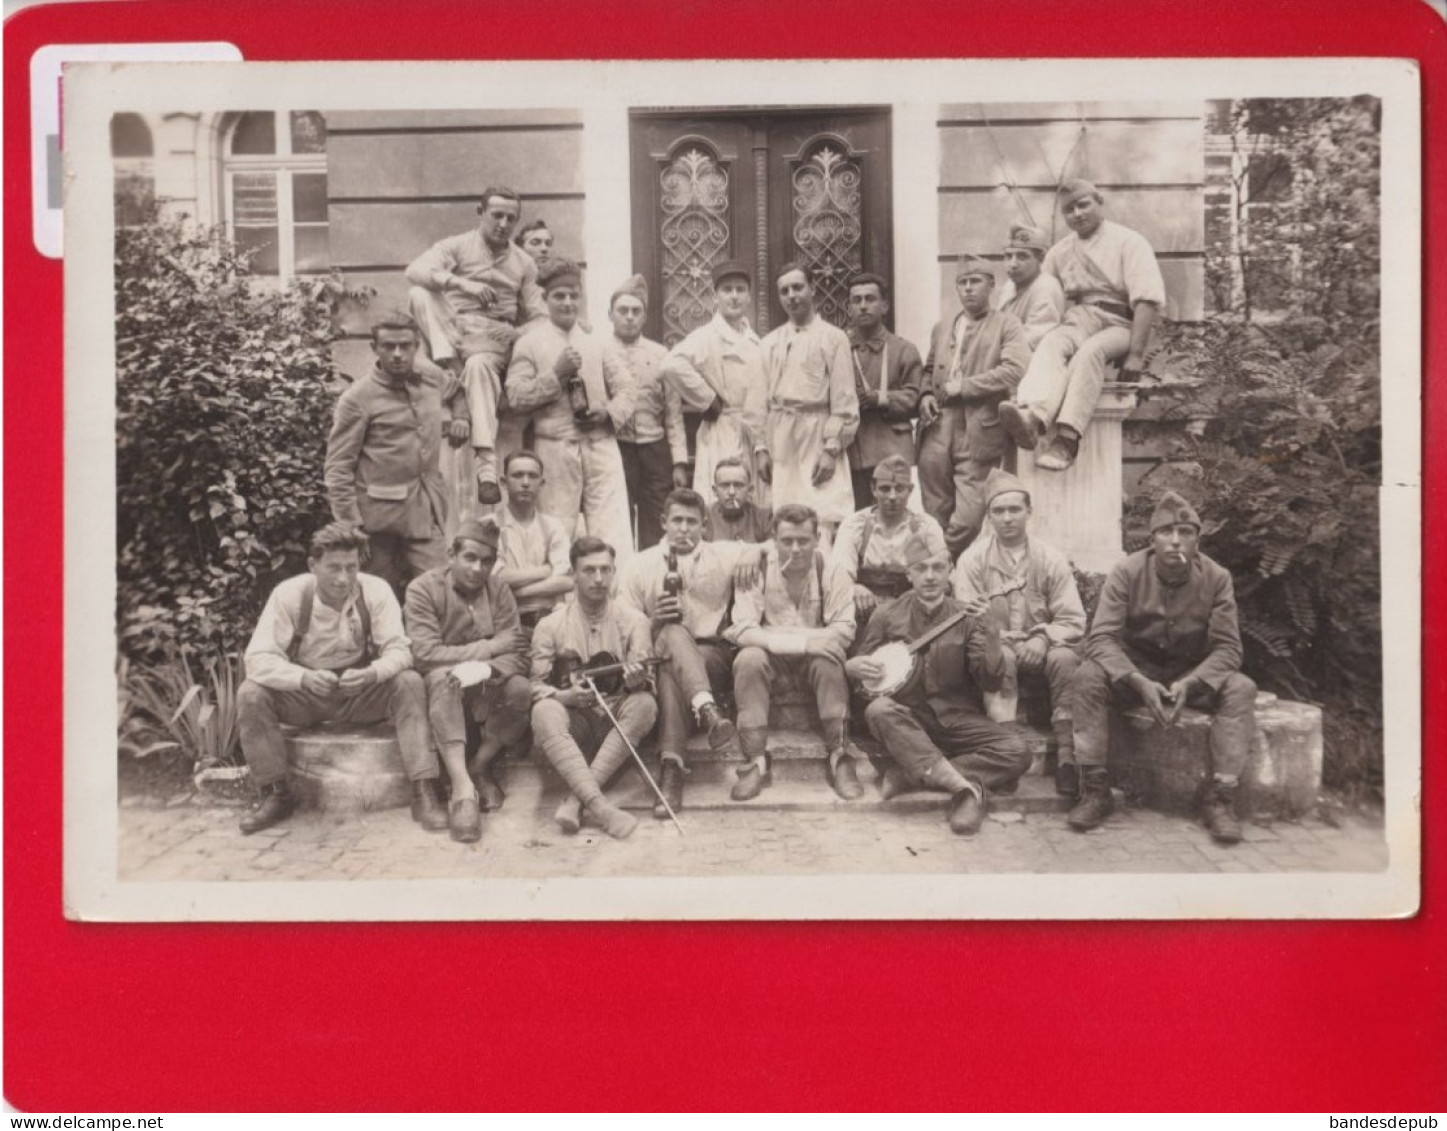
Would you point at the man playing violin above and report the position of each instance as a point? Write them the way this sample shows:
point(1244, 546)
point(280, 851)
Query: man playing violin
point(590, 630)
point(932, 726)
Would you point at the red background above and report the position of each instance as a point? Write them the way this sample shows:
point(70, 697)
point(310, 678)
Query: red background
point(972, 1016)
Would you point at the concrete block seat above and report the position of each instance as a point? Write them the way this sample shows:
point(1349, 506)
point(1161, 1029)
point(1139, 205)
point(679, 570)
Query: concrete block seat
point(352, 769)
point(346, 768)
point(1165, 769)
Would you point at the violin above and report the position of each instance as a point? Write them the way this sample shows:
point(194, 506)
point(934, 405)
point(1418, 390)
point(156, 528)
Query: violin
point(604, 669)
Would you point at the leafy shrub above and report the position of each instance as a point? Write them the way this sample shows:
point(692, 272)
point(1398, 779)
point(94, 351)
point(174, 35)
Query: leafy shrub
point(224, 402)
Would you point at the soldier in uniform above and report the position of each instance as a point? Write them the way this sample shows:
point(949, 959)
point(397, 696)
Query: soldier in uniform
point(1111, 278)
point(1165, 635)
point(1040, 626)
point(869, 547)
point(470, 294)
point(888, 375)
point(579, 393)
point(974, 363)
point(932, 727)
point(734, 515)
point(471, 651)
point(567, 721)
point(1029, 293)
point(797, 622)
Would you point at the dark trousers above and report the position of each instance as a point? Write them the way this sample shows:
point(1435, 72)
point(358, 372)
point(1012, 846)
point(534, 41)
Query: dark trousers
point(918, 735)
point(951, 481)
point(1232, 710)
point(402, 699)
point(502, 707)
point(862, 479)
point(648, 469)
point(689, 668)
point(397, 560)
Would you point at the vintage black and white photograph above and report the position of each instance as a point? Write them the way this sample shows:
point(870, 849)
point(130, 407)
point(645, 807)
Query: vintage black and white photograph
point(724, 490)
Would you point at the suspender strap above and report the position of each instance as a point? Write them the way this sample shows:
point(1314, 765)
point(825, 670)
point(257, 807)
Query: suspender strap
point(304, 620)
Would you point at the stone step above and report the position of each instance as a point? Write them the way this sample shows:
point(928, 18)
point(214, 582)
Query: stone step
point(797, 785)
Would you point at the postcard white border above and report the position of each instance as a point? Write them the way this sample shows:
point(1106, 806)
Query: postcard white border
point(605, 91)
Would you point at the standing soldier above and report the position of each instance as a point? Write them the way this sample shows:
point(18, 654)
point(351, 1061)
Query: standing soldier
point(470, 294)
point(1029, 293)
point(813, 408)
point(382, 473)
point(975, 361)
point(887, 375)
point(579, 394)
point(1110, 275)
point(653, 443)
point(466, 641)
point(718, 371)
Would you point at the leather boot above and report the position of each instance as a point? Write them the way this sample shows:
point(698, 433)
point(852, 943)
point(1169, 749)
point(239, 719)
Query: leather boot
point(1067, 774)
point(276, 805)
point(1218, 808)
point(427, 808)
point(670, 784)
point(723, 736)
point(839, 766)
point(1096, 801)
point(755, 743)
point(967, 811)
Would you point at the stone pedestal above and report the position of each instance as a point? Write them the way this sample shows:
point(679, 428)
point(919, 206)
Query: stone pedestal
point(348, 768)
point(1165, 769)
point(1078, 510)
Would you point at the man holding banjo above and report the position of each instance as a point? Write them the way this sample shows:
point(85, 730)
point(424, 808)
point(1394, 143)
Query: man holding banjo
point(925, 659)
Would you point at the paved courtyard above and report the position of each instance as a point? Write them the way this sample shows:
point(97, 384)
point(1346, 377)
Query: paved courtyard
point(191, 841)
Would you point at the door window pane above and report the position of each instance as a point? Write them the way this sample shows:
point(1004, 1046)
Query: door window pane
point(694, 233)
point(308, 132)
point(828, 233)
point(253, 197)
point(255, 133)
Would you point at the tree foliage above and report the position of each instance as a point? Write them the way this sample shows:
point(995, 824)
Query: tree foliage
point(1287, 378)
point(224, 400)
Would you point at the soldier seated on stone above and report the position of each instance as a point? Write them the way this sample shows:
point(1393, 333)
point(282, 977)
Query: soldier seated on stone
point(471, 651)
point(1165, 635)
point(796, 621)
point(329, 647)
point(869, 547)
point(1040, 626)
point(932, 726)
point(590, 628)
point(688, 632)
point(532, 558)
point(735, 516)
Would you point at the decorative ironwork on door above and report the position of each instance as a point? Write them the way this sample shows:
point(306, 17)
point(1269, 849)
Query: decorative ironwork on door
point(828, 230)
point(694, 234)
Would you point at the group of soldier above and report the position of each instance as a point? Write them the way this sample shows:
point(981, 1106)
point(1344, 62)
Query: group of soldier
point(609, 589)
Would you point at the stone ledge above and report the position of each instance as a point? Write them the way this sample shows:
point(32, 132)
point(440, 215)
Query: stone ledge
point(350, 769)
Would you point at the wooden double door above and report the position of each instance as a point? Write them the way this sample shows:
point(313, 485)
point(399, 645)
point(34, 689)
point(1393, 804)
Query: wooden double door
point(764, 187)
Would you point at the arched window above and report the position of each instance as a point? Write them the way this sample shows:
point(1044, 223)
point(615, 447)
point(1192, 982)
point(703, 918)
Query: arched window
point(131, 156)
point(276, 190)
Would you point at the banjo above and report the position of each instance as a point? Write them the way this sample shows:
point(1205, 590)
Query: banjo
point(900, 659)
